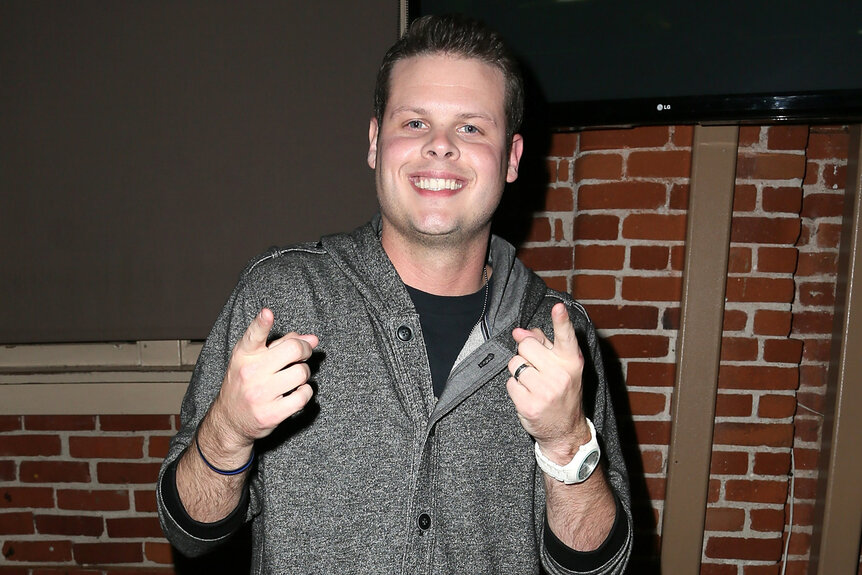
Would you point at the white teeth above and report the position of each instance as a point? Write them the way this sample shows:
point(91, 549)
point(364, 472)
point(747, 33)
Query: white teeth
point(435, 184)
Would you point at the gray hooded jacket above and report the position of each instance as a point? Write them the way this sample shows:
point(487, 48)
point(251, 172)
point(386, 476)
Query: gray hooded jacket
point(341, 487)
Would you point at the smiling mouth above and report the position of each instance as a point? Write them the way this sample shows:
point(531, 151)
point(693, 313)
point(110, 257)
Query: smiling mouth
point(437, 184)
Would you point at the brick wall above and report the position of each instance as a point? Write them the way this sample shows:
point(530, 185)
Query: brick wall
point(613, 233)
point(76, 492)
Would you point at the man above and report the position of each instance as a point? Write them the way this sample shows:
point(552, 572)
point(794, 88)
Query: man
point(378, 402)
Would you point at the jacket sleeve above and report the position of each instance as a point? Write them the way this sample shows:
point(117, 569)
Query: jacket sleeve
point(203, 388)
point(599, 407)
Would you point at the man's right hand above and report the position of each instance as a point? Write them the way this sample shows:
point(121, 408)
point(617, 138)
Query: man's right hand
point(264, 384)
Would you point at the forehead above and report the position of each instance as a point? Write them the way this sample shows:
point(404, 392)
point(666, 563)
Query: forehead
point(444, 79)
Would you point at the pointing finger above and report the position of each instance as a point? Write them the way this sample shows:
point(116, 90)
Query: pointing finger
point(565, 340)
point(255, 336)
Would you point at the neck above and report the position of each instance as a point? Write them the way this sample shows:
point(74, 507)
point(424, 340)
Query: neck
point(439, 270)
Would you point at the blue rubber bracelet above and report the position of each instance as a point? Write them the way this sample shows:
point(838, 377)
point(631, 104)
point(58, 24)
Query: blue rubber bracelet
point(223, 471)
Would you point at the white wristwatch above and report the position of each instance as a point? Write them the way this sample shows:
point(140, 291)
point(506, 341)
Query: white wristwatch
point(580, 467)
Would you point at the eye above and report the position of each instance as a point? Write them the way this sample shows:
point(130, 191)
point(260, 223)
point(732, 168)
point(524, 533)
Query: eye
point(415, 124)
point(470, 129)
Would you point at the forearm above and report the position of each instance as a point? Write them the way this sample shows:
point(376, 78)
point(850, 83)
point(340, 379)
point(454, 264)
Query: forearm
point(206, 495)
point(581, 515)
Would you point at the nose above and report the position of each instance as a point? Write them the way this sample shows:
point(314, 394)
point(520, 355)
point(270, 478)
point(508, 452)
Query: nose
point(440, 145)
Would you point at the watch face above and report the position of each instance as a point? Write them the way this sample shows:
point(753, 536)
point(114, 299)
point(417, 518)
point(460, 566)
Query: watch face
point(588, 465)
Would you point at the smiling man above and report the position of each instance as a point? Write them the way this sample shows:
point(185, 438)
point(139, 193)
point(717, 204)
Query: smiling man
point(408, 398)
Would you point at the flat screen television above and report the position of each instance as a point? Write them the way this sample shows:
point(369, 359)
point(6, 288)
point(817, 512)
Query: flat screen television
point(616, 63)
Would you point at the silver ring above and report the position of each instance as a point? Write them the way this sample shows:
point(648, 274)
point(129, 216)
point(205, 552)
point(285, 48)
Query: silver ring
point(518, 371)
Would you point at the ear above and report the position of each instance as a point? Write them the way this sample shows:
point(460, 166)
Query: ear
point(515, 158)
point(373, 130)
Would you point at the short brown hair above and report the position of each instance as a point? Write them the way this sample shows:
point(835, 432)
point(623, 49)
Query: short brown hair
point(457, 36)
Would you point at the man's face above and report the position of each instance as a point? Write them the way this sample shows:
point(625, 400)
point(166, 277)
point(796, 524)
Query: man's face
point(440, 156)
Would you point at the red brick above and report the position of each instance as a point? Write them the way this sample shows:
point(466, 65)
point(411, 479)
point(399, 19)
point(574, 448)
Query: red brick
point(679, 193)
point(26, 497)
point(123, 473)
point(739, 260)
point(816, 264)
point(757, 377)
point(54, 472)
point(639, 346)
point(772, 322)
point(733, 405)
point(37, 551)
point(787, 137)
point(60, 422)
point(656, 487)
point(624, 316)
point(133, 527)
point(748, 136)
point(563, 144)
point(540, 230)
point(767, 520)
point(625, 195)
point(828, 146)
point(145, 501)
point(29, 445)
point(776, 260)
point(683, 136)
point(739, 349)
point(16, 523)
point(158, 552)
point(559, 283)
point(743, 548)
point(677, 258)
point(764, 230)
point(670, 318)
point(598, 227)
point(744, 198)
point(652, 432)
point(8, 470)
point(559, 233)
point(593, 287)
point(828, 235)
point(599, 167)
point(649, 257)
point(106, 553)
point(808, 429)
point(599, 257)
point(106, 447)
point(663, 227)
point(135, 422)
point(782, 350)
point(776, 406)
point(652, 461)
point(756, 491)
point(559, 199)
point(659, 164)
point(159, 444)
point(770, 166)
point(547, 258)
point(724, 519)
point(647, 403)
point(754, 434)
point(66, 571)
point(771, 463)
point(10, 423)
point(757, 289)
point(563, 170)
point(95, 500)
point(734, 320)
point(834, 176)
point(650, 374)
point(647, 137)
point(805, 459)
point(823, 205)
point(660, 288)
point(728, 463)
point(70, 525)
point(812, 323)
point(718, 569)
point(782, 200)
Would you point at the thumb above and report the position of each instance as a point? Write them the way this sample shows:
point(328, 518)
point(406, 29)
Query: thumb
point(255, 336)
point(564, 332)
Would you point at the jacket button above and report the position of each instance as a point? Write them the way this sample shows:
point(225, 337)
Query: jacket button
point(424, 521)
point(404, 333)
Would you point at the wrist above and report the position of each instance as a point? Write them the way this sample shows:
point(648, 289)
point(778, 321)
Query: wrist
point(561, 450)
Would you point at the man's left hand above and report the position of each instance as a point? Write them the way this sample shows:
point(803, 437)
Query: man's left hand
point(548, 393)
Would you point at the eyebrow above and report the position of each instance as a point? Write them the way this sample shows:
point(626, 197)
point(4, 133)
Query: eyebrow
point(423, 112)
